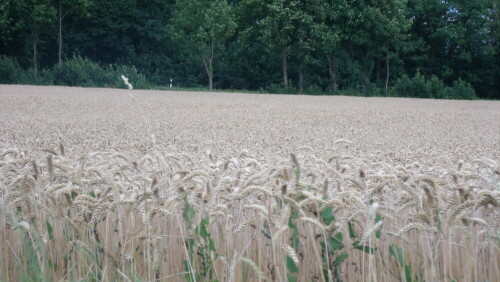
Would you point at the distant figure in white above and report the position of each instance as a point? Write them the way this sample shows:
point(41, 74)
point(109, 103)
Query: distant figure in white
point(125, 79)
point(130, 87)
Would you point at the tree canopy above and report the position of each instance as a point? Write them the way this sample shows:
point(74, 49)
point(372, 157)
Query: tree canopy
point(311, 46)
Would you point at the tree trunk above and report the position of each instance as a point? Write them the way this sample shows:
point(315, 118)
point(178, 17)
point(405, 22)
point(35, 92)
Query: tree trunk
point(301, 77)
point(284, 57)
point(211, 79)
point(59, 53)
point(365, 87)
point(332, 61)
point(35, 56)
point(387, 74)
point(210, 72)
point(377, 72)
point(366, 72)
point(208, 62)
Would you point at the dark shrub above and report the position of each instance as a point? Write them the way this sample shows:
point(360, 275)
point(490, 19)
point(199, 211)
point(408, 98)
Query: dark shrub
point(463, 90)
point(80, 71)
point(10, 71)
point(415, 87)
point(419, 87)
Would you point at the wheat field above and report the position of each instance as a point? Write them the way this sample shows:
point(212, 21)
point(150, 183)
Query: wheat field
point(130, 185)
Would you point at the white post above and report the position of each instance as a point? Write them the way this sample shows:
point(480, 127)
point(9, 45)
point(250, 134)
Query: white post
point(170, 83)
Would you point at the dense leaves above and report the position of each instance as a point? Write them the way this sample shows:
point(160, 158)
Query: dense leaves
point(201, 29)
point(426, 48)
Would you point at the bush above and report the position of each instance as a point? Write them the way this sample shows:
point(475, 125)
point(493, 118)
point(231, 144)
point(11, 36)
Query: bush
point(349, 92)
point(375, 91)
point(314, 90)
point(419, 87)
point(437, 89)
point(463, 90)
point(415, 87)
point(278, 89)
point(45, 77)
point(80, 71)
point(83, 72)
point(10, 71)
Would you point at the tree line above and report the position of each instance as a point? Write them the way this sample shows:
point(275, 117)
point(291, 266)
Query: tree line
point(417, 48)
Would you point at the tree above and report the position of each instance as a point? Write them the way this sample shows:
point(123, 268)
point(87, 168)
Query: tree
point(472, 44)
point(152, 40)
point(332, 32)
point(392, 30)
point(376, 27)
point(452, 40)
point(279, 26)
point(248, 62)
point(33, 19)
point(127, 32)
point(202, 28)
point(107, 33)
point(5, 22)
point(495, 28)
point(288, 26)
point(252, 44)
point(65, 8)
point(307, 35)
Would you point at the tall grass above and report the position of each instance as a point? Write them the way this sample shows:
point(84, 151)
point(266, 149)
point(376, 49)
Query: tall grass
point(107, 216)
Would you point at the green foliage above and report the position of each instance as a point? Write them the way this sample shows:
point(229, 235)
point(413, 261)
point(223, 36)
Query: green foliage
point(50, 230)
point(313, 90)
point(323, 46)
point(352, 232)
point(332, 247)
point(294, 243)
point(9, 70)
point(280, 22)
point(291, 266)
point(4, 21)
point(33, 17)
point(247, 64)
point(335, 242)
point(415, 87)
point(396, 252)
point(453, 40)
point(367, 249)
point(83, 72)
point(276, 88)
point(378, 233)
point(33, 265)
point(328, 216)
point(420, 87)
point(292, 224)
point(188, 214)
point(201, 29)
point(463, 90)
point(80, 71)
point(201, 247)
point(436, 88)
